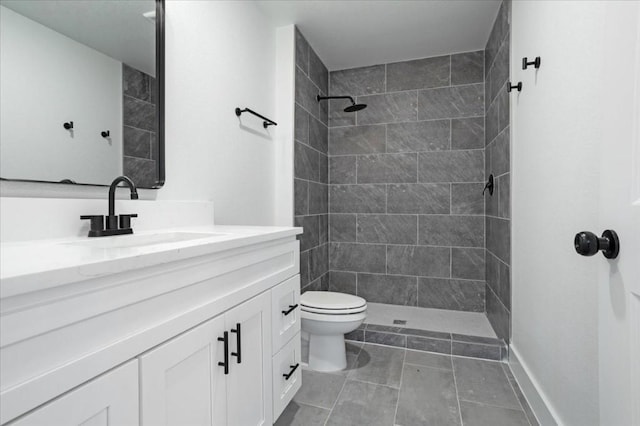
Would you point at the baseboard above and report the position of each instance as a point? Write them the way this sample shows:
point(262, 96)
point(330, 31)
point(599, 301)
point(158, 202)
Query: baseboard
point(529, 387)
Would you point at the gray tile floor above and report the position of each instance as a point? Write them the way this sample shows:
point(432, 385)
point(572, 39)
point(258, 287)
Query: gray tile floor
point(392, 386)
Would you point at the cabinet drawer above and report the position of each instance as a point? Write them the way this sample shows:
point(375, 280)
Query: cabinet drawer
point(285, 299)
point(287, 375)
point(111, 399)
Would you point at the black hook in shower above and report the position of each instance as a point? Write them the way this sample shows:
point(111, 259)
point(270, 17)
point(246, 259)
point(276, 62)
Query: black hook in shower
point(105, 134)
point(489, 185)
point(535, 63)
point(267, 122)
point(68, 125)
point(351, 108)
point(510, 86)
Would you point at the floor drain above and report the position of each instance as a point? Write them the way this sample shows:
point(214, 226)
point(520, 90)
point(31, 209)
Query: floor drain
point(400, 322)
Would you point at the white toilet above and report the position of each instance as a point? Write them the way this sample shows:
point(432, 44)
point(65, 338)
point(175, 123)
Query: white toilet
point(327, 316)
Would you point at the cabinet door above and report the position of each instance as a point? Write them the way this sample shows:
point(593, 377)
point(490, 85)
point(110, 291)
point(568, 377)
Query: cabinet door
point(285, 312)
point(249, 381)
point(287, 375)
point(181, 381)
point(111, 399)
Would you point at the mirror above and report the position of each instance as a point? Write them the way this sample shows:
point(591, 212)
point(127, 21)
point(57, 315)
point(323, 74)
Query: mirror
point(82, 91)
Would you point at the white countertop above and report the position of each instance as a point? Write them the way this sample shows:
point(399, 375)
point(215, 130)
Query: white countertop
point(40, 264)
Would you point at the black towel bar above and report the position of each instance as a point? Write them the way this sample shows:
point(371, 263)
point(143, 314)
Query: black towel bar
point(267, 122)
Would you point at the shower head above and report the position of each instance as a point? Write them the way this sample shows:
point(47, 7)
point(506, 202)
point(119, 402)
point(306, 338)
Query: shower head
point(351, 108)
point(355, 107)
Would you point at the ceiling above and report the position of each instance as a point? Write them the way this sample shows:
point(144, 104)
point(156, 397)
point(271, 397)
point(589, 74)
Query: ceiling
point(356, 33)
point(115, 28)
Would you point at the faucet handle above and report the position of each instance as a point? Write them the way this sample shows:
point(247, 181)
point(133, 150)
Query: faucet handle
point(125, 220)
point(97, 222)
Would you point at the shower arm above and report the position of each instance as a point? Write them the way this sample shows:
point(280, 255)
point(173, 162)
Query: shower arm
point(323, 98)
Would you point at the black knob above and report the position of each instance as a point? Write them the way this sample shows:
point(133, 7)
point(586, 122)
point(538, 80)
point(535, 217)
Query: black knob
point(68, 126)
point(587, 243)
point(105, 134)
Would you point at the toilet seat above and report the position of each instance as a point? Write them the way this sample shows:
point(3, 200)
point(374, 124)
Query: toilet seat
point(332, 303)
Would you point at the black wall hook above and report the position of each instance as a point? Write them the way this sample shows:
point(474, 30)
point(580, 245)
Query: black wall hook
point(68, 125)
point(518, 86)
point(105, 134)
point(489, 185)
point(535, 63)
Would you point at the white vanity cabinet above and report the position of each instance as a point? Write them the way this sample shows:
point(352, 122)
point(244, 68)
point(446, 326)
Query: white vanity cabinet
point(215, 374)
point(146, 345)
point(108, 400)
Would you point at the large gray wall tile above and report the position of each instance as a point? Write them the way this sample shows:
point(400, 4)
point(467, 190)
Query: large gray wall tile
point(451, 166)
point(318, 72)
point(357, 198)
point(498, 315)
point(301, 197)
point(390, 229)
point(357, 140)
point(139, 114)
point(499, 238)
point(419, 198)
point(337, 116)
point(301, 125)
point(318, 135)
point(467, 263)
point(420, 261)
point(306, 92)
point(342, 227)
point(388, 168)
point(302, 52)
point(499, 72)
point(451, 102)
point(419, 136)
point(458, 295)
point(357, 257)
point(342, 282)
point(311, 235)
point(394, 289)
point(418, 74)
point(467, 133)
point(504, 196)
point(358, 81)
point(137, 143)
point(388, 108)
point(467, 198)
point(498, 152)
point(445, 230)
point(467, 68)
point(318, 198)
point(342, 169)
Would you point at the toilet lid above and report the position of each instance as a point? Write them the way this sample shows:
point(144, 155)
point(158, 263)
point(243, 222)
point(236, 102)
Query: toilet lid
point(329, 300)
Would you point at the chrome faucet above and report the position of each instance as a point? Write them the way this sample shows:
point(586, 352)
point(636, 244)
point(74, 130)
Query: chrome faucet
point(112, 227)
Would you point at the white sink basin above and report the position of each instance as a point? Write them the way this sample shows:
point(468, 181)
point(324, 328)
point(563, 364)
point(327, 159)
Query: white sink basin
point(134, 240)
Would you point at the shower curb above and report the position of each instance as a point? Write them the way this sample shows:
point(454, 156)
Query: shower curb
point(431, 341)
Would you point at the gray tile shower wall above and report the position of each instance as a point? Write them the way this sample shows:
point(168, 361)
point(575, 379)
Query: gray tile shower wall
point(311, 190)
point(139, 127)
point(497, 162)
point(406, 211)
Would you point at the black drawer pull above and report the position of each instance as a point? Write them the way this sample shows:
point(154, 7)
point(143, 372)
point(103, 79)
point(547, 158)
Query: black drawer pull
point(225, 364)
point(238, 354)
point(291, 308)
point(293, 369)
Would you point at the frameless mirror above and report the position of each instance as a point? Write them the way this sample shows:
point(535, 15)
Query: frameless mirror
point(81, 91)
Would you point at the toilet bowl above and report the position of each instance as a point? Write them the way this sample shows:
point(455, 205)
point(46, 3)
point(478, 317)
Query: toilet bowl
point(327, 316)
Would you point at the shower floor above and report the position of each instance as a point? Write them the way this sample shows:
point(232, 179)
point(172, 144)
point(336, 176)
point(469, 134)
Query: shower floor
point(440, 320)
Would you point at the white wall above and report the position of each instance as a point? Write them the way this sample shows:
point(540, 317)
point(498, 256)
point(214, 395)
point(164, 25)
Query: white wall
point(556, 134)
point(47, 79)
point(219, 55)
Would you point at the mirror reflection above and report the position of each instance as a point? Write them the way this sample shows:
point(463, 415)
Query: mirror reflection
point(79, 97)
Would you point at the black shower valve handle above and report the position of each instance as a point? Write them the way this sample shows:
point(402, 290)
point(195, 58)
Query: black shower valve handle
point(535, 62)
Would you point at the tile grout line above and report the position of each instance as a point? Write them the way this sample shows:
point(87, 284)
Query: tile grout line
point(404, 359)
point(455, 384)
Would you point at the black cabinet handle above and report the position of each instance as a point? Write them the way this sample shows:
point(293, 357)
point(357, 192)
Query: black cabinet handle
point(587, 243)
point(238, 354)
point(287, 376)
point(225, 364)
point(291, 308)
